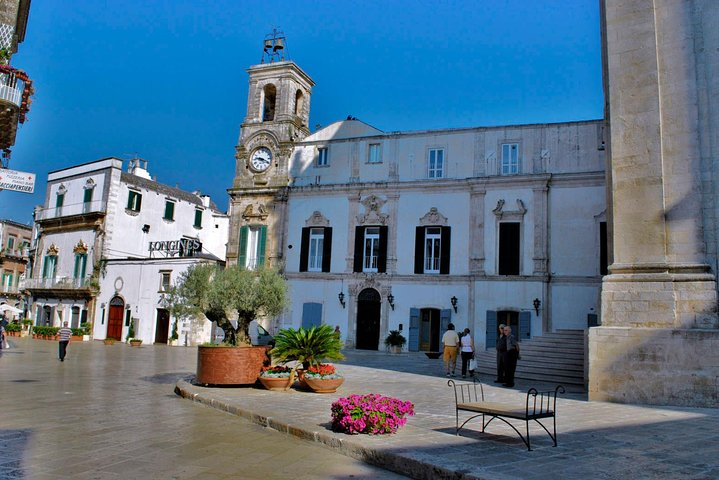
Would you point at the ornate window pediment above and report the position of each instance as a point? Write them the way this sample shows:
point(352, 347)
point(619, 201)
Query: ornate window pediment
point(317, 220)
point(433, 217)
point(53, 250)
point(257, 211)
point(61, 189)
point(501, 213)
point(90, 184)
point(373, 211)
point(80, 248)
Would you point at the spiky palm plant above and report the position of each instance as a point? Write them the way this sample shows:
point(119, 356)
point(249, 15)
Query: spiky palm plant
point(307, 346)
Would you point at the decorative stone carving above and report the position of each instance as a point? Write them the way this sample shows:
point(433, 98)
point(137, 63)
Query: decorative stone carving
point(433, 217)
point(53, 250)
point(373, 211)
point(90, 184)
point(500, 212)
point(369, 281)
point(317, 220)
point(80, 248)
point(252, 213)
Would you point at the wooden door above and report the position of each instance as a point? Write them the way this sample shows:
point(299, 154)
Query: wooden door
point(163, 325)
point(114, 320)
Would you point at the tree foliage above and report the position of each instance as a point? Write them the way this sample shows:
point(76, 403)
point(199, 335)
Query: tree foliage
point(225, 294)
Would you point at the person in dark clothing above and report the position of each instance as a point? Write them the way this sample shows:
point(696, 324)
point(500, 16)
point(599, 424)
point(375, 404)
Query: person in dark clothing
point(501, 350)
point(511, 357)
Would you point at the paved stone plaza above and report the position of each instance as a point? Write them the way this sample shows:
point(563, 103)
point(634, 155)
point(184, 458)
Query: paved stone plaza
point(109, 412)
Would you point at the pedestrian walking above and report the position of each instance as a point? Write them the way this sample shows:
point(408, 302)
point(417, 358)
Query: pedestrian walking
point(467, 350)
point(64, 334)
point(501, 351)
point(450, 342)
point(2, 336)
point(511, 357)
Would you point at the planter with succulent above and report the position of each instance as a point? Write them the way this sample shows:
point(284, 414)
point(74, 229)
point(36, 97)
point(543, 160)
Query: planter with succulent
point(307, 347)
point(395, 341)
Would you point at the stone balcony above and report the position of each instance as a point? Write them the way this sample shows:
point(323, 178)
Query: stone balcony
point(11, 89)
point(60, 287)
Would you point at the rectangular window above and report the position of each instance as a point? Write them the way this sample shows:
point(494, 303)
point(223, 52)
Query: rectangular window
point(322, 157)
point(435, 163)
point(374, 154)
point(10, 243)
point(48, 269)
point(134, 201)
point(6, 281)
point(252, 246)
point(510, 158)
point(198, 218)
point(432, 242)
point(165, 281)
point(80, 266)
point(509, 248)
point(169, 210)
point(371, 249)
point(316, 247)
point(59, 200)
point(88, 195)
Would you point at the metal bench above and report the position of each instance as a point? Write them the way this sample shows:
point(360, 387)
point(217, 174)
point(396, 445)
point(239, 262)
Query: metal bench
point(469, 397)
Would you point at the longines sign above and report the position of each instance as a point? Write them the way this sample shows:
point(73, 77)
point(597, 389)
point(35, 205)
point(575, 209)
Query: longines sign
point(17, 181)
point(185, 247)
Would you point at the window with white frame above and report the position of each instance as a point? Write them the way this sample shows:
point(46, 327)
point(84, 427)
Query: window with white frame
point(10, 243)
point(134, 201)
point(510, 159)
point(374, 153)
point(80, 266)
point(316, 248)
point(49, 265)
point(252, 246)
point(371, 249)
point(198, 218)
point(435, 163)
point(323, 159)
point(432, 248)
point(165, 278)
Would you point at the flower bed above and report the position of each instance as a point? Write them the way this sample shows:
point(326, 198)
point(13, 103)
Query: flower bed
point(371, 413)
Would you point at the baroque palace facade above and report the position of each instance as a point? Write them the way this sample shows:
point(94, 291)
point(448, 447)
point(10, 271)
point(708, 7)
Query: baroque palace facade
point(408, 231)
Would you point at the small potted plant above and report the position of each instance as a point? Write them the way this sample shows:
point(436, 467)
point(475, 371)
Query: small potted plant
point(395, 341)
point(276, 377)
point(323, 378)
point(109, 341)
point(134, 342)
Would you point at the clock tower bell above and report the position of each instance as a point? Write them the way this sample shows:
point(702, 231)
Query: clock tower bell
point(278, 110)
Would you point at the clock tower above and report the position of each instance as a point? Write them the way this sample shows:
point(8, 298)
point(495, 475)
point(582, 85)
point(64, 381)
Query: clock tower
point(278, 110)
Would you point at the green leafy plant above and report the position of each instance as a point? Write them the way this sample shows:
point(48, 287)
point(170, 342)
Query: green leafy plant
point(307, 346)
point(395, 339)
point(220, 295)
point(131, 332)
point(174, 335)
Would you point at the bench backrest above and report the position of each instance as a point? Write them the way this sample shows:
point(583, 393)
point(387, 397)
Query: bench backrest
point(542, 403)
point(467, 392)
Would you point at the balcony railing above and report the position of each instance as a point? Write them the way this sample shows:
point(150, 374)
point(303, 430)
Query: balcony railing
point(69, 210)
point(9, 289)
point(11, 88)
point(15, 252)
point(58, 283)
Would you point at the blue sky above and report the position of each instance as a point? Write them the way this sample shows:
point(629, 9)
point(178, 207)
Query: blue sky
point(165, 80)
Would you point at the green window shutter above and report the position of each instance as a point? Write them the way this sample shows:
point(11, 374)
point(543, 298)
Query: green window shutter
point(129, 200)
point(45, 265)
point(198, 218)
point(139, 201)
point(169, 210)
point(76, 270)
point(83, 266)
point(242, 254)
point(59, 200)
point(88, 195)
point(261, 246)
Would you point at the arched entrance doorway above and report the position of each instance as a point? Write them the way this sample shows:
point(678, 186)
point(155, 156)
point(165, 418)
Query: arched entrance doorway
point(368, 312)
point(114, 319)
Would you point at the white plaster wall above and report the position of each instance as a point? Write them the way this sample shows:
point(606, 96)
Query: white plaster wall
point(572, 303)
point(509, 295)
point(574, 242)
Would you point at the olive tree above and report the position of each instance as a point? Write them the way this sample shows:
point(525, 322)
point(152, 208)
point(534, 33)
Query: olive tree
point(221, 294)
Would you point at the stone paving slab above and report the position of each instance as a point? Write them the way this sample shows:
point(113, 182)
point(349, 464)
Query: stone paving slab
point(595, 439)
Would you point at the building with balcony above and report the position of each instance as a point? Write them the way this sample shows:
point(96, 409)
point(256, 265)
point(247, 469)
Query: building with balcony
point(15, 239)
point(109, 245)
point(15, 86)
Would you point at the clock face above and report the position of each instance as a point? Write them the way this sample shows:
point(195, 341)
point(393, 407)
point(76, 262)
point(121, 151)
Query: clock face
point(261, 159)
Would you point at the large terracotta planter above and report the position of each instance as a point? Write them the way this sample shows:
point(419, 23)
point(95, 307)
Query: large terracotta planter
point(229, 365)
point(275, 383)
point(321, 385)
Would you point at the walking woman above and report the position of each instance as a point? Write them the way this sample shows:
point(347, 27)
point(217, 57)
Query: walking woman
point(467, 350)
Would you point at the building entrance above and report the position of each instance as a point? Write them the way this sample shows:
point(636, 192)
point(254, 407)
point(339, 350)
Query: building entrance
point(429, 330)
point(163, 325)
point(114, 319)
point(368, 312)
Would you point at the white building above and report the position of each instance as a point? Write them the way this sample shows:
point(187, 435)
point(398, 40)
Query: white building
point(110, 243)
point(411, 230)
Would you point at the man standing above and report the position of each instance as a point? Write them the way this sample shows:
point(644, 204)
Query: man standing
point(511, 357)
point(501, 351)
point(450, 342)
point(64, 334)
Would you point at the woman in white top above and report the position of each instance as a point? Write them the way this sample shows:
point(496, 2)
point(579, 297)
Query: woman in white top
point(467, 350)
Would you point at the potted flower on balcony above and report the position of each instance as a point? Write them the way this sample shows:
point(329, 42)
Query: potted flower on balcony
point(395, 341)
point(221, 296)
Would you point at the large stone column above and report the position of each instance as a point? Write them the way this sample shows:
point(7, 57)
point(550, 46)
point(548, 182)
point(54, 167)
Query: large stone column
point(659, 301)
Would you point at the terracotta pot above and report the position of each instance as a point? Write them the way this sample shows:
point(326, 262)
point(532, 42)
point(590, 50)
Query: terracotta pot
point(322, 385)
point(275, 384)
point(302, 385)
point(135, 343)
point(229, 365)
point(109, 341)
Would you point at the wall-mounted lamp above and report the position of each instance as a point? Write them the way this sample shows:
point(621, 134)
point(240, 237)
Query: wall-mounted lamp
point(453, 300)
point(145, 228)
point(390, 299)
point(341, 297)
point(103, 305)
point(537, 303)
